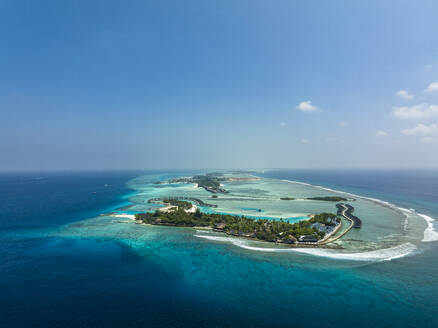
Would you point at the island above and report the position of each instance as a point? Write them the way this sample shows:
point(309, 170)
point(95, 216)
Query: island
point(182, 214)
point(317, 230)
point(211, 182)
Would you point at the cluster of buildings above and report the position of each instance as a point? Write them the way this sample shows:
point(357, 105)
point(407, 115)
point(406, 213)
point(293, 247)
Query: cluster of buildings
point(328, 227)
point(324, 227)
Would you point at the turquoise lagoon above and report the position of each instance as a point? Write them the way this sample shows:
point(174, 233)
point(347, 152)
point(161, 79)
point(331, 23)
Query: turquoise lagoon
point(388, 231)
point(61, 267)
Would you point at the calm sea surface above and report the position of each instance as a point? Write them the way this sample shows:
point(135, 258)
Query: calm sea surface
point(180, 281)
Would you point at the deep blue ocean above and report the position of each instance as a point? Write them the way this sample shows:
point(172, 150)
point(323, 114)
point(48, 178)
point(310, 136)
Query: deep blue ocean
point(49, 281)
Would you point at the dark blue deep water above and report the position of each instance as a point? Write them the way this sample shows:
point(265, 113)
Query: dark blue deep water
point(48, 281)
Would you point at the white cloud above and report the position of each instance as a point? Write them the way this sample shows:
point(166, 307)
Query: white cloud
point(344, 124)
point(282, 124)
point(421, 129)
point(305, 141)
point(416, 112)
point(433, 87)
point(381, 134)
point(306, 106)
point(404, 94)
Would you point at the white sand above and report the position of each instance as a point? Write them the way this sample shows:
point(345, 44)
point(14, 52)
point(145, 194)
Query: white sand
point(167, 208)
point(129, 216)
point(192, 209)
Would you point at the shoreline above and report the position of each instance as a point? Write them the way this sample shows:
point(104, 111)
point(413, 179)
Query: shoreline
point(209, 228)
point(430, 233)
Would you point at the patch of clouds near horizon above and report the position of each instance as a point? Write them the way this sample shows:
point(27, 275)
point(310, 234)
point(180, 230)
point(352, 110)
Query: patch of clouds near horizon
point(305, 141)
point(420, 111)
point(404, 94)
point(306, 106)
point(432, 87)
point(344, 124)
point(283, 124)
point(421, 129)
point(381, 134)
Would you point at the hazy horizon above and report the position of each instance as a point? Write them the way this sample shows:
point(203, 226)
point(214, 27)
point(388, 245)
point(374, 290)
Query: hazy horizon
point(141, 85)
point(206, 170)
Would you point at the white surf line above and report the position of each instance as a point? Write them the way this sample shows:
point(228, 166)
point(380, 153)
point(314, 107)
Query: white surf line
point(385, 254)
point(430, 234)
point(405, 224)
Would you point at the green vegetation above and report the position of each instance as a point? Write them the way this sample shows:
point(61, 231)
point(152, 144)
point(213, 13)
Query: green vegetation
point(214, 196)
point(329, 198)
point(206, 181)
point(262, 229)
point(287, 198)
point(209, 182)
point(181, 204)
point(324, 218)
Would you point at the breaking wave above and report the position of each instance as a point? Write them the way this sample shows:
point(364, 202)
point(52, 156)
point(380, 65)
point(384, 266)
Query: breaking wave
point(385, 254)
point(430, 234)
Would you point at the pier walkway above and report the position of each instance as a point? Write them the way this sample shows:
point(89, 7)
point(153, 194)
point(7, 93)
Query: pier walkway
point(346, 211)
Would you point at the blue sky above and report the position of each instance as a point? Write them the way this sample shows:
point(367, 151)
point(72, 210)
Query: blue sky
point(218, 84)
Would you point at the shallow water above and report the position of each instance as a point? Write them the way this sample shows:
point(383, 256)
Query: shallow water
point(63, 267)
point(387, 227)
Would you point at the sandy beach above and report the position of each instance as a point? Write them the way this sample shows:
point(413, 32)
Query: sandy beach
point(129, 216)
